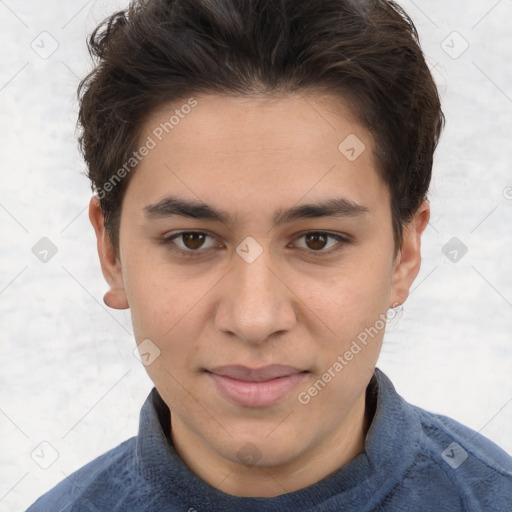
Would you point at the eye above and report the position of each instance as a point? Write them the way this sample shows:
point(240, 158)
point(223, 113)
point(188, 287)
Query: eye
point(317, 241)
point(194, 243)
point(188, 243)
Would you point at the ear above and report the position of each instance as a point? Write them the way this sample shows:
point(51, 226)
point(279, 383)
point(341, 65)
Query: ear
point(110, 264)
point(408, 260)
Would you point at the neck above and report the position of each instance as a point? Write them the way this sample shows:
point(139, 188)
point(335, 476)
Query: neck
point(329, 454)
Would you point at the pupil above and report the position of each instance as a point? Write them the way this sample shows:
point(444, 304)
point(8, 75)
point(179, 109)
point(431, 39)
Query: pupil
point(315, 239)
point(191, 243)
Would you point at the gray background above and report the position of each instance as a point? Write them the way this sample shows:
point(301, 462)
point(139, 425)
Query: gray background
point(69, 376)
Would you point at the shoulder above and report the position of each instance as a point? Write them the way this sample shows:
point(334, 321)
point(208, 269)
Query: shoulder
point(104, 478)
point(479, 469)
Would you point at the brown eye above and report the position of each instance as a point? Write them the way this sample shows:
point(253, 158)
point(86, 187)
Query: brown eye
point(189, 243)
point(322, 242)
point(316, 241)
point(193, 240)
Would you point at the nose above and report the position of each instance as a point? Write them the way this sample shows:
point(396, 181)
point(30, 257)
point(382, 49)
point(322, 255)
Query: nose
point(254, 302)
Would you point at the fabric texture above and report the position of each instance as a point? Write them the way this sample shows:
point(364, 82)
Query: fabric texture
point(413, 460)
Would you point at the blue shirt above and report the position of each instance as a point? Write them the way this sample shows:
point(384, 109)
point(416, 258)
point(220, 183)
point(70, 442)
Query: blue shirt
point(413, 460)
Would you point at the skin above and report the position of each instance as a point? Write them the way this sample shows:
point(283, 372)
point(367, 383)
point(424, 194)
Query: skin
point(251, 157)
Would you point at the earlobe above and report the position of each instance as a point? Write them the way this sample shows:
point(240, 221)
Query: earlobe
point(408, 261)
point(115, 297)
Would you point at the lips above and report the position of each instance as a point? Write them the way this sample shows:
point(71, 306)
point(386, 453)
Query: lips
point(255, 387)
point(244, 373)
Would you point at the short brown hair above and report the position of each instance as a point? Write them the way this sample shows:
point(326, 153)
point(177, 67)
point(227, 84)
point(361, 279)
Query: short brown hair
point(161, 51)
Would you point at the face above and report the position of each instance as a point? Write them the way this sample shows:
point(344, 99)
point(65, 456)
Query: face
point(267, 315)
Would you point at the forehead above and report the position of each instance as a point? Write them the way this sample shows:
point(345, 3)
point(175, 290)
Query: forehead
point(255, 123)
point(259, 150)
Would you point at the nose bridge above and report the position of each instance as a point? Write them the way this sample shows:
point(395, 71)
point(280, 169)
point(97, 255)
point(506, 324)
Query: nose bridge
point(256, 303)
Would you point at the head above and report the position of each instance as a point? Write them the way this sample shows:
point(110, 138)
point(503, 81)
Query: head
point(261, 173)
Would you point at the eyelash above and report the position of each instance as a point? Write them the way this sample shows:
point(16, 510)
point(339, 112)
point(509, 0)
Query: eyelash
point(168, 241)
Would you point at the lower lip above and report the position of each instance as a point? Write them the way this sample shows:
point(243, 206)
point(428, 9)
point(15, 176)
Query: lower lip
point(256, 394)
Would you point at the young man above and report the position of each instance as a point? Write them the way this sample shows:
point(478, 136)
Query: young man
point(261, 171)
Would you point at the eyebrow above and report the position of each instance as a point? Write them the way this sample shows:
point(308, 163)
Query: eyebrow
point(174, 206)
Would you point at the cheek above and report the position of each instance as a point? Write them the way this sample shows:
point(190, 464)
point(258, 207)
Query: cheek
point(155, 296)
point(351, 313)
point(169, 305)
point(352, 298)
point(162, 312)
point(158, 308)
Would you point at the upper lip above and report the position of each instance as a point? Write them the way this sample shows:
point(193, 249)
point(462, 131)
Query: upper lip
point(240, 372)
